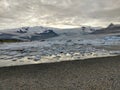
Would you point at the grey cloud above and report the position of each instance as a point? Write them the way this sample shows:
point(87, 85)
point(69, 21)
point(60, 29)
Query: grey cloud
point(17, 13)
point(113, 13)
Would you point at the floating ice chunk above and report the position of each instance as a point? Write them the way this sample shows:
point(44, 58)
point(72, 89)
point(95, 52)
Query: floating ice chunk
point(68, 54)
point(53, 56)
point(37, 57)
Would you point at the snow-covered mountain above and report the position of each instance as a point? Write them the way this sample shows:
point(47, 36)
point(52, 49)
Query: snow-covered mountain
point(40, 33)
point(27, 34)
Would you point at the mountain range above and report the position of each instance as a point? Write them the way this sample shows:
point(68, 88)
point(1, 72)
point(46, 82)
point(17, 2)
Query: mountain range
point(43, 33)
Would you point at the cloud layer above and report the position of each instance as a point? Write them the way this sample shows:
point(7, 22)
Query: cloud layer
point(17, 13)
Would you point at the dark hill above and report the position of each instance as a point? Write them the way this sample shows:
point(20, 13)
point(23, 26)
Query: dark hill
point(110, 29)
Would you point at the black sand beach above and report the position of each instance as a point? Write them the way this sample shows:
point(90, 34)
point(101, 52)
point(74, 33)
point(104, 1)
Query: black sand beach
point(91, 74)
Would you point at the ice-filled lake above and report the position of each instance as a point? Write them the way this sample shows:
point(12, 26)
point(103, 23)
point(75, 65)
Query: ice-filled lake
point(57, 49)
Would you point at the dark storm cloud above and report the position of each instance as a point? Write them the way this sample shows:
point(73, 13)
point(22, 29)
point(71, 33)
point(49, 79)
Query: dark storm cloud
point(17, 13)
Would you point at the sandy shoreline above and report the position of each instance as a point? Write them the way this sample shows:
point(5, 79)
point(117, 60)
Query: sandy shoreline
point(90, 74)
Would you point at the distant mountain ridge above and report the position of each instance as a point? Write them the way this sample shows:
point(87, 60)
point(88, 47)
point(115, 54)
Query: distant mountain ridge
point(112, 28)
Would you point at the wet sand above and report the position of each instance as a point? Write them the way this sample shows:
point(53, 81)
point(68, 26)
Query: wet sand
point(90, 74)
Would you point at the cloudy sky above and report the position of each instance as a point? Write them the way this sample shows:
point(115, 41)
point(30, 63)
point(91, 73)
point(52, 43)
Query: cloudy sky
point(58, 13)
